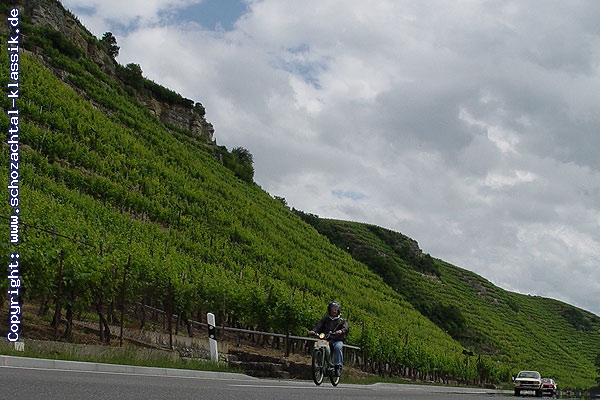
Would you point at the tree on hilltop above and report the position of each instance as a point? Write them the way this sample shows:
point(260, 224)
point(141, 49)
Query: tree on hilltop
point(242, 164)
point(110, 42)
point(243, 155)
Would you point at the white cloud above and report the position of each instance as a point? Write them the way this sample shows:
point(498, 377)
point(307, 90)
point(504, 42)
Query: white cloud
point(505, 140)
point(498, 181)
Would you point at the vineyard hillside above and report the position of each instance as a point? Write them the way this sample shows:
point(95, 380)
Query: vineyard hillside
point(114, 197)
point(123, 203)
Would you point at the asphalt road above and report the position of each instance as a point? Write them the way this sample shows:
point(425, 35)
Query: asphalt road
point(59, 380)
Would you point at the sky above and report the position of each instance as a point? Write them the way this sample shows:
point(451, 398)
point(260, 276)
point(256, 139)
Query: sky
point(471, 126)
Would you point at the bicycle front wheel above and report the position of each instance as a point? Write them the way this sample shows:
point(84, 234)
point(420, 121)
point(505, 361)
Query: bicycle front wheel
point(317, 366)
point(334, 380)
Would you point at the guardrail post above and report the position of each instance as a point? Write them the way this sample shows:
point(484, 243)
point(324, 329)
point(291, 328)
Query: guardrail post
point(212, 337)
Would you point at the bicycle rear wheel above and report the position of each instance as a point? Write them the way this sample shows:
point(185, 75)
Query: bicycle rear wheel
point(317, 366)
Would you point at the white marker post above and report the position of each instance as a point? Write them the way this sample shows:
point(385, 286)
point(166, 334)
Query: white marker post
point(212, 337)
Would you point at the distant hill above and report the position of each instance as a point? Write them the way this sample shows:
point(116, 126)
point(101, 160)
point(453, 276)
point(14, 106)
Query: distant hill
point(123, 178)
point(529, 332)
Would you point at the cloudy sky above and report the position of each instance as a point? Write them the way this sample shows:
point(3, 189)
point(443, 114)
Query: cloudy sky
point(471, 126)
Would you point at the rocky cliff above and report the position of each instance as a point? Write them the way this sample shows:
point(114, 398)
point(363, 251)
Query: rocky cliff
point(52, 14)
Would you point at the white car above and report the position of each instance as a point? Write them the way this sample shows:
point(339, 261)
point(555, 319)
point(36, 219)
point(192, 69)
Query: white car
point(528, 381)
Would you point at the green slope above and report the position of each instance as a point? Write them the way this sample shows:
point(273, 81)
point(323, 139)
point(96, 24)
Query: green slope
point(107, 187)
point(525, 332)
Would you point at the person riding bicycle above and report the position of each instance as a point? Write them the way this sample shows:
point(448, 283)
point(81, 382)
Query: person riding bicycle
point(334, 323)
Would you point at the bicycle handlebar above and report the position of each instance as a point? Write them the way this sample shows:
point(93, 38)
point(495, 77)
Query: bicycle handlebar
point(318, 334)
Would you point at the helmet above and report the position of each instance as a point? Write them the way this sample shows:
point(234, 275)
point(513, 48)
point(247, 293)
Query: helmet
point(333, 305)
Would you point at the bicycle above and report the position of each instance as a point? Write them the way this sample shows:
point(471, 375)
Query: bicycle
point(322, 362)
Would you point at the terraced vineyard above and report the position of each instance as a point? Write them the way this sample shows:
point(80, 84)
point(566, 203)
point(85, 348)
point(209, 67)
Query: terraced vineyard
point(119, 207)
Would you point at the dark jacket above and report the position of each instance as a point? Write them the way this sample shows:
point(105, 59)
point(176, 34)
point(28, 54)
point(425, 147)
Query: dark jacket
point(328, 324)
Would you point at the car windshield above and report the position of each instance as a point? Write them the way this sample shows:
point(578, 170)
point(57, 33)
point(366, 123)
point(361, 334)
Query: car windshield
point(528, 374)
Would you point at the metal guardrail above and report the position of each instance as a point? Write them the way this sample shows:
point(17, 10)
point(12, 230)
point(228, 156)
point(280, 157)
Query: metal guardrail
point(271, 334)
point(246, 331)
